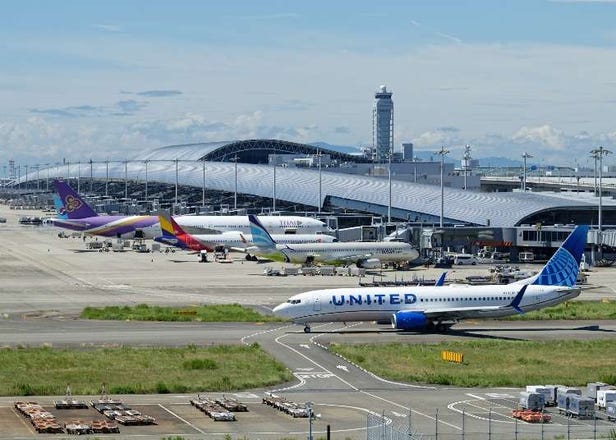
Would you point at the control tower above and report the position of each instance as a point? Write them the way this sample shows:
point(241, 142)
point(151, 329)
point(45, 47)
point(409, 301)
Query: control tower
point(383, 125)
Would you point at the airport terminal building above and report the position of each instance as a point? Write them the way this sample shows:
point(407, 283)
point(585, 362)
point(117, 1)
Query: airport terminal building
point(317, 179)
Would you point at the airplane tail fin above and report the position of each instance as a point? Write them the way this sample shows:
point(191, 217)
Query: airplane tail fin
point(59, 207)
point(174, 235)
point(260, 237)
point(563, 268)
point(441, 279)
point(169, 227)
point(74, 206)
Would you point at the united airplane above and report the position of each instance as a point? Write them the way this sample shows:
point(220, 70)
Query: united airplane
point(81, 217)
point(421, 308)
point(174, 234)
point(364, 254)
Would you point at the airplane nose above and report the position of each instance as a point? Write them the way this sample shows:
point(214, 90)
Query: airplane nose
point(278, 308)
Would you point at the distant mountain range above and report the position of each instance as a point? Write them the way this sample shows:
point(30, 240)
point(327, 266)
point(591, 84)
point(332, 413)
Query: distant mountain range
point(425, 156)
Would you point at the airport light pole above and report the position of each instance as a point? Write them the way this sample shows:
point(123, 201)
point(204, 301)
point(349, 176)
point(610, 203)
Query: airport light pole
point(126, 179)
point(79, 177)
point(309, 408)
point(91, 177)
point(467, 157)
point(525, 156)
point(146, 180)
point(599, 153)
point(274, 186)
point(203, 192)
point(235, 159)
point(107, 179)
point(47, 181)
point(176, 185)
point(320, 194)
point(442, 152)
point(38, 179)
point(389, 181)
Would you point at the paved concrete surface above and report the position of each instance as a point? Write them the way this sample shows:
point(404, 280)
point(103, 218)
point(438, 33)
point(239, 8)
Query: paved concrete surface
point(45, 281)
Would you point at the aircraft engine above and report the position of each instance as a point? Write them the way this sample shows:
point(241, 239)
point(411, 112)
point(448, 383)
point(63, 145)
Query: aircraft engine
point(409, 321)
point(369, 263)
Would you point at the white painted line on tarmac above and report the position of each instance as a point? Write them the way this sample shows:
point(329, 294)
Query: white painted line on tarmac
point(475, 396)
point(180, 418)
point(354, 388)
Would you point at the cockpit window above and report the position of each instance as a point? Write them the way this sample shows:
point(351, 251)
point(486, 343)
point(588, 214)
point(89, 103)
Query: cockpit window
point(294, 301)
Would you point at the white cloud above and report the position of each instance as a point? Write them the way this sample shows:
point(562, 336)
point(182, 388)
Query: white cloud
point(544, 135)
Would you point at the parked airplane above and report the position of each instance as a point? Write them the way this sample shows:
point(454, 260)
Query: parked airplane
point(81, 217)
point(364, 254)
point(439, 307)
point(174, 234)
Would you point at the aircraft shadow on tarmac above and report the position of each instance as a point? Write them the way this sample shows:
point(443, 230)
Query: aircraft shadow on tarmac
point(476, 333)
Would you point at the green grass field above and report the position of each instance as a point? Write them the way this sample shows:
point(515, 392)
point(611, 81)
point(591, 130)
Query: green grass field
point(205, 313)
point(490, 363)
point(47, 371)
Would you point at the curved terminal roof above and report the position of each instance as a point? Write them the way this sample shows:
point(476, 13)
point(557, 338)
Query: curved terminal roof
point(248, 151)
point(409, 200)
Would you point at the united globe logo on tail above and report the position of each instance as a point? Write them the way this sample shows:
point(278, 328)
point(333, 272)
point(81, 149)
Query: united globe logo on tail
point(563, 268)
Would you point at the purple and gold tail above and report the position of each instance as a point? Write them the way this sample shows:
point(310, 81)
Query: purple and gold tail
point(74, 206)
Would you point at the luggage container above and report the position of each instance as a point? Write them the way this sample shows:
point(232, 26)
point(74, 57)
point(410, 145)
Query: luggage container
point(327, 270)
point(610, 410)
point(554, 391)
point(604, 397)
point(563, 401)
point(593, 387)
point(290, 270)
point(532, 401)
point(581, 407)
point(562, 389)
point(546, 391)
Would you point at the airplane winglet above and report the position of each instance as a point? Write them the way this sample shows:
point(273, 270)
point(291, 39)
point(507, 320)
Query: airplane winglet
point(518, 299)
point(441, 279)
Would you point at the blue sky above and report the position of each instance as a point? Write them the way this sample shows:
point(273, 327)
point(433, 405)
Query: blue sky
point(107, 79)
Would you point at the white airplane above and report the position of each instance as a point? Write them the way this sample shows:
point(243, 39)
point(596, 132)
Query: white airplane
point(364, 254)
point(77, 215)
point(173, 234)
point(420, 308)
point(288, 224)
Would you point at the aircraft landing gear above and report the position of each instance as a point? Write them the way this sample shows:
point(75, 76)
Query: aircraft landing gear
point(307, 329)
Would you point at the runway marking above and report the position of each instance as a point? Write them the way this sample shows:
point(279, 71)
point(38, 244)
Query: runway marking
point(452, 407)
point(391, 382)
point(343, 368)
point(353, 387)
point(475, 396)
point(262, 332)
point(182, 419)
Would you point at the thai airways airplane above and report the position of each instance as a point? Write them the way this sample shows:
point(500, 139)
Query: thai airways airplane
point(173, 234)
point(364, 254)
point(81, 217)
point(420, 308)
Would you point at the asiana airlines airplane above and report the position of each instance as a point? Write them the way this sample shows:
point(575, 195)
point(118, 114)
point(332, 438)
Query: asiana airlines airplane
point(436, 308)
